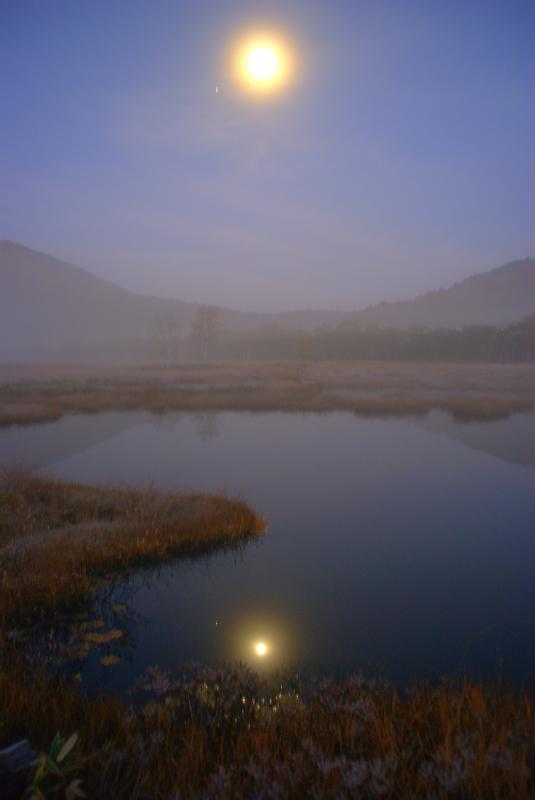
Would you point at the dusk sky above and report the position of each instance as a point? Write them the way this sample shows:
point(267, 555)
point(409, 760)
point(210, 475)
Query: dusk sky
point(400, 158)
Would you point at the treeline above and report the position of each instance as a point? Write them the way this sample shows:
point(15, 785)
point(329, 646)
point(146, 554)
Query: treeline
point(515, 343)
point(167, 343)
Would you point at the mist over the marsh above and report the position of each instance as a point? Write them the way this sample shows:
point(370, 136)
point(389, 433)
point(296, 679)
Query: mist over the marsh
point(54, 311)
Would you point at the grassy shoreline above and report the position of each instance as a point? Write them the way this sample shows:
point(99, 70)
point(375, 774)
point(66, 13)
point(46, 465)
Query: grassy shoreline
point(221, 732)
point(57, 539)
point(468, 392)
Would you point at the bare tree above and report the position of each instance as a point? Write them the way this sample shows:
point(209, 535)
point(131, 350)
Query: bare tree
point(167, 338)
point(204, 328)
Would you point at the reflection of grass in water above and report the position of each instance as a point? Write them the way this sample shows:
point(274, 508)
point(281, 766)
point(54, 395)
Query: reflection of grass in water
point(65, 641)
point(57, 539)
point(223, 732)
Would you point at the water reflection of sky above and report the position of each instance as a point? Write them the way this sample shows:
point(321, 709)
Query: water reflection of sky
point(400, 545)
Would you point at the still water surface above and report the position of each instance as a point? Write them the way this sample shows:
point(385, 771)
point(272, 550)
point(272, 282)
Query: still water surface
point(401, 546)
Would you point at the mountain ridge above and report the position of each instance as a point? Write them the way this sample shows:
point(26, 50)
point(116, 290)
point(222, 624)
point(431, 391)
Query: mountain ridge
point(502, 304)
point(47, 303)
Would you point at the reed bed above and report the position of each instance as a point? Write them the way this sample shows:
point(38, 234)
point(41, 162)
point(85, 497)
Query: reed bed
point(57, 538)
point(220, 732)
point(468, 392)
point(223, 733)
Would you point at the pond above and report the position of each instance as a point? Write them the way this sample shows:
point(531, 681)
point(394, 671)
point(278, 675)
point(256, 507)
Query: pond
point(402, 546)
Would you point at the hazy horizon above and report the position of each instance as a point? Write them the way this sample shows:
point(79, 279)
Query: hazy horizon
point(199, 301)
point(400, 161)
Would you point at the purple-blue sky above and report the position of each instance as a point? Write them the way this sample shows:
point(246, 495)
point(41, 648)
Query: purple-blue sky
point(403, 159)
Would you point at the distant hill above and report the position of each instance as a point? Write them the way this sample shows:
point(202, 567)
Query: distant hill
point(51, 309)
point(47, 305)
point(498, 297)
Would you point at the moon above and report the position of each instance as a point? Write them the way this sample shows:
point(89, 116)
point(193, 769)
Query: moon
point(263, 63)
point(261, 649)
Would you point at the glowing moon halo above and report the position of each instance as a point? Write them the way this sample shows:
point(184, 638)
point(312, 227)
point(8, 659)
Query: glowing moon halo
point(262, 63)
point(261, 649)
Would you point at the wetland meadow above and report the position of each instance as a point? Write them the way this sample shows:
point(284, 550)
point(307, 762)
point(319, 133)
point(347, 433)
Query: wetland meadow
point(267, 400)
point(187, 585)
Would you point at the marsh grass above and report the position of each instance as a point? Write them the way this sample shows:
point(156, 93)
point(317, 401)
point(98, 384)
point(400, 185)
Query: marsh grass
point(57, 539)
point(468, 392)
point(223, 733)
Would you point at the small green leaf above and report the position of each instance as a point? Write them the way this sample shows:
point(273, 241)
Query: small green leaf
point(74, 789)
point(52, 767)
point(41, 767)
point(55, 747)
point(67, 747)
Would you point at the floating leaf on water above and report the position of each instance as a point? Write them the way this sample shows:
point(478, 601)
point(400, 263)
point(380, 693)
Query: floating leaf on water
point(75, 652)
point(92, 624)
point(75, 649)
point(103, 638)
point(118, 608)
point(109, 661)
point(78, 677)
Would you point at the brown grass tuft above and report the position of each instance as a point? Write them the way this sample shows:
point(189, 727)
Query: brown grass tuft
point(222, 733)
point(468, 391)
point(56, 537)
